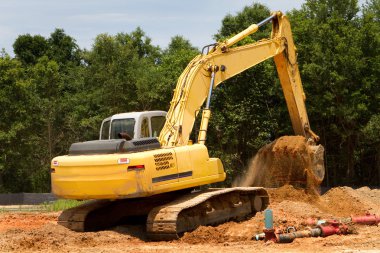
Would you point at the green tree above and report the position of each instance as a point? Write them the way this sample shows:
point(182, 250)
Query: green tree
point(28, 48)
point(233, 24)
point(246, 108)
point(369, 141)
point(337, 74)
point(115, 66)
point(63, 48)
point(41, 88)
point(173, 61)
point(16, 149)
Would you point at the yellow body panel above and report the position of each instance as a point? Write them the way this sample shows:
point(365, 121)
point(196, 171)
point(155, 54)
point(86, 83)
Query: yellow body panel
point(102, 177)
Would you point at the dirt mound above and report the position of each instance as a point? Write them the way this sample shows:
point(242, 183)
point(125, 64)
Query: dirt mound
point(227, 232)
point(54, 237)
point(26, 221)
point(287, 160)
point(345, 201)
point(207, 234)
point(291, 208)
point(288, 192)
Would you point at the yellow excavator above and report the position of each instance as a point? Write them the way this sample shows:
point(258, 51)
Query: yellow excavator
point(156, 177)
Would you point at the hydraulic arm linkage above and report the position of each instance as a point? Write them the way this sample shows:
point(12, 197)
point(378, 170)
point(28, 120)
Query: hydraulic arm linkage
point(222, 62)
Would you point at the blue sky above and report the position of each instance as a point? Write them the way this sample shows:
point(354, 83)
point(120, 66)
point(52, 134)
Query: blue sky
point(196, 20)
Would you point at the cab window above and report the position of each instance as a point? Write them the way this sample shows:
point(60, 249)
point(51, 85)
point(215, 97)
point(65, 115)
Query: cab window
point(157, 125)
point(105, 130)
point(122, 126)
point(144, 128)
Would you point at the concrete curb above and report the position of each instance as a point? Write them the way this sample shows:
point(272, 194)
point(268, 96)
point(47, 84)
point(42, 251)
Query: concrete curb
point(25, 198)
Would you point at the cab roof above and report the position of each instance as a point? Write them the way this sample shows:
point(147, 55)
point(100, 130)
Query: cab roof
point(135, 115)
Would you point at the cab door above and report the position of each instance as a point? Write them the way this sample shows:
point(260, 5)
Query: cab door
point(144, 128)
point(157, 123)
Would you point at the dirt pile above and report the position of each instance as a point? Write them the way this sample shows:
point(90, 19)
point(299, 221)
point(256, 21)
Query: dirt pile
point(345, 201)
point(26, 221)
point(291, 207)
point(288, 192)
point(55, 237)
point(287, 160)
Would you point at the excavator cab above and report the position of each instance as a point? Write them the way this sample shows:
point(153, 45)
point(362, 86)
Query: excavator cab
point(132, 125)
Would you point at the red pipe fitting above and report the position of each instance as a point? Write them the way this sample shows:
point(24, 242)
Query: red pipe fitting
point(368, 219)
point(333, 228)
point(316, 222)
point(270, 235)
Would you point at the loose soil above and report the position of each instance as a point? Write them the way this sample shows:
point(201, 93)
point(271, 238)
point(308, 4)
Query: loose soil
point(287, 160)
point(39, 232)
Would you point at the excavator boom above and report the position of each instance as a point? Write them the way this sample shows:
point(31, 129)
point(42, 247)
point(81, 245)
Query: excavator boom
point(205, 72)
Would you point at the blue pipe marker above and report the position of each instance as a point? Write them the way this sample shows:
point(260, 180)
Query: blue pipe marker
point(268, 216)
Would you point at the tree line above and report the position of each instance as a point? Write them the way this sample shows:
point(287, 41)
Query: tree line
point(53, 93)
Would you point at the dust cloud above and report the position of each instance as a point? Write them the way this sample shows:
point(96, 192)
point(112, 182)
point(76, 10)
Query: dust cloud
point(258, 165)
point(287, 160)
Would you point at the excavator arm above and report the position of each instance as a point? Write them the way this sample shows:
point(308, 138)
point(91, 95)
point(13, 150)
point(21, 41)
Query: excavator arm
point(205, 72)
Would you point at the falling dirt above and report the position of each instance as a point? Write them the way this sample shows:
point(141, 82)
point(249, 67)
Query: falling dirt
point(287, 160)
point(39, 232)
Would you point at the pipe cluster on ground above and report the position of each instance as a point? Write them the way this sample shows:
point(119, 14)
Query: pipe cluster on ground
point(316, 227)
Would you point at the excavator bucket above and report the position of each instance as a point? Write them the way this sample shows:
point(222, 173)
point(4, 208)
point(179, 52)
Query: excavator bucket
point(288, 160)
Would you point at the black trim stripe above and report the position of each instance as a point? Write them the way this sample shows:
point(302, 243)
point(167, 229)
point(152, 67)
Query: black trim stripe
point(185, 174)
point(172, 176)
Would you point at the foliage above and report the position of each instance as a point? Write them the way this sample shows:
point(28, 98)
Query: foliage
point(29, 48)
point(247, 108)
point(173, 61)
point(15, 148)
point(337, 50)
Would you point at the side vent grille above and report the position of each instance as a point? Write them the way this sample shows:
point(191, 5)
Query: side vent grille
point(163, 161)
point(145, 142)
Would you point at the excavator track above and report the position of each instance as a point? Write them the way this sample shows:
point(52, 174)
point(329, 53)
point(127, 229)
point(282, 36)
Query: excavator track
point(170, 214)
point(97, 215)
point(210, 207)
